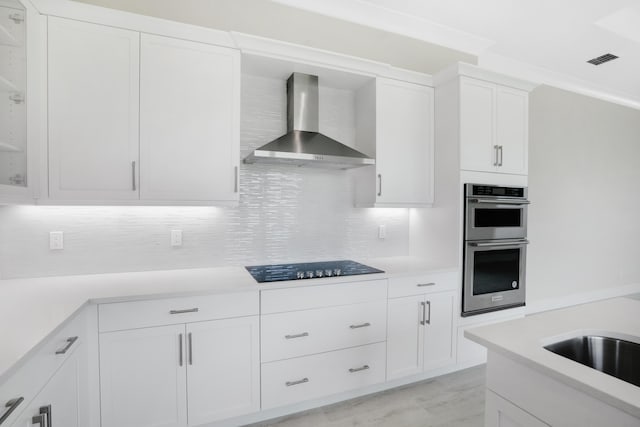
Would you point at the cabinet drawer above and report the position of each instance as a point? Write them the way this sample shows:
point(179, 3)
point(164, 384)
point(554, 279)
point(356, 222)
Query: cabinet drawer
point(310, 377)
point(309, 297)
point(40, 366)
point(300, 333)
point(422, 283)
point(160, 312)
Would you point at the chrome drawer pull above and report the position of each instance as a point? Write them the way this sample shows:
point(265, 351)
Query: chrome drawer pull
point(180, 362)
point(12, 405)
point(70, 342)
point(188, 310)
point(302, 381)
point(420, 285)
point(362, 368)
point(290, 337)
point(40, 420)
point(43, 417)
point(363, 325)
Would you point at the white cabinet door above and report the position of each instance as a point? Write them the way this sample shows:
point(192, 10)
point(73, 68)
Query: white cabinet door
point(58, 402)
point(143, 377)
point(405, 337)
point(512, 129)
point(223, 373)
point(93, 76)
point(477, 125)
point(500, 412)
point(438, 330)
point(404, 143)
point(189, 120)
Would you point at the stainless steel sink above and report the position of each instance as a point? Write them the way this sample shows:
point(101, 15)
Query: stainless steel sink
point(612, 356)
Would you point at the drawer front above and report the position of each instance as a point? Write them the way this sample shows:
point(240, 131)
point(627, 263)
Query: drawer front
point(31, 377)
point(310, 297)
point(310, 377)
point(300, 333)
point(161, 312)
point(422, 284)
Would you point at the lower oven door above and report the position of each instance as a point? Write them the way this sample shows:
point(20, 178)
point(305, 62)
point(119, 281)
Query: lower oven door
point(494, 275)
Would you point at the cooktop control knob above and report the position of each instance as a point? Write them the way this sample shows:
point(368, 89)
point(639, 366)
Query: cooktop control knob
point(337, 272)
point(300, 275)
point(319, 273)
point(309, 274)
point(328, 273)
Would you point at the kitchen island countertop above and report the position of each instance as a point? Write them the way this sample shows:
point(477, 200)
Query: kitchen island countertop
point(523, 341)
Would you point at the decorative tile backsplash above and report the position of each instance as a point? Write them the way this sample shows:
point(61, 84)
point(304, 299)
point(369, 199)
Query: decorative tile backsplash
point(285, 213)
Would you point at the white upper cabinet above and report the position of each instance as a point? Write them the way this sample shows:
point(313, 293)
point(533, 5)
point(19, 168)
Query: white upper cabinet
point(402, 143)
point(139, 118)
point(22, 44)
point(189, 120)
point(493, 127)
point(93, 79)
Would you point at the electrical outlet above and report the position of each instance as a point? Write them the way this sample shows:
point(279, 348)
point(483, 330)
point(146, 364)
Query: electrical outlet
point(176, 238)
point(56, 240)
point(382, 231)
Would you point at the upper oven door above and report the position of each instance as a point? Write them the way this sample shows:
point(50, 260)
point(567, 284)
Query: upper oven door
point(495, 218)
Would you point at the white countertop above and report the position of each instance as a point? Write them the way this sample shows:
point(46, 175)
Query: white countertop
point(523, 340)
point(37, 307)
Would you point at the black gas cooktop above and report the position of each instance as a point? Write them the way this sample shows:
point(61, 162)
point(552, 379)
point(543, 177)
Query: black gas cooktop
point(308, 270)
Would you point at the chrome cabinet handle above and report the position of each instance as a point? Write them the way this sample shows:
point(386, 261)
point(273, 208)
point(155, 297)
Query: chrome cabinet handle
point(190, 348)
point(292, 383)
point(188, 310)
point(133, 176)
point(420, 285)
point(500, 151)
point(43, 419)
point(39, 419)
point(428, 321)
point(12, 405)
point(16, 17)
point(362, 325)
point(70, 341)
point(235, 182)
point(180, 350)
point(290, 337)
point(423, 305)
point(507, 243)
point(495, 155)
point(362, 368)
point(379, 185)
point(17, 97)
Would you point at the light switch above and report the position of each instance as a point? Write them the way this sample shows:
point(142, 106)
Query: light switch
point(176, 238)
point(56, 240)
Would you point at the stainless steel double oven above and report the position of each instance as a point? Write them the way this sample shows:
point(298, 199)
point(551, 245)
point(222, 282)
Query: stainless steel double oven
point(495, 248)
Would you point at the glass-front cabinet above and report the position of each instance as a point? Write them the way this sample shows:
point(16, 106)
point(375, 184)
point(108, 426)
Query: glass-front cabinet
point(18, 117)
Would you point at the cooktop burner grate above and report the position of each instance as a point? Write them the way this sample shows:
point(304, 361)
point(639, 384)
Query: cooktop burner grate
point(308, 270)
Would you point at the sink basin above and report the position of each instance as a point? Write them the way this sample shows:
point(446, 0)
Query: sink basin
point(612, 356)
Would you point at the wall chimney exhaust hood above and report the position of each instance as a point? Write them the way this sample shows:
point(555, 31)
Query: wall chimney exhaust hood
point(303, 144)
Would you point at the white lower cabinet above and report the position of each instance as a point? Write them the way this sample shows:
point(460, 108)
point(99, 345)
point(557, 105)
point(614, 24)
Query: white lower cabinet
point(330, 339)
point(500, 412)
point(303, 378)
point(179, 375)
point(143, 377)
point(58, 404)
point(420, 333)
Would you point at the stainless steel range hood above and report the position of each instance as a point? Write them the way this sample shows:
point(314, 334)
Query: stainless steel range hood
point(303, 144)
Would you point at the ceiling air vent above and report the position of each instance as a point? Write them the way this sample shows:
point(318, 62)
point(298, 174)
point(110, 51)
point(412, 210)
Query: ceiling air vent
point(602, 59)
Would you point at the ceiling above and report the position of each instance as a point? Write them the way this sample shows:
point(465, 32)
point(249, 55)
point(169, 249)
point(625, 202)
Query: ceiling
point(547, 40)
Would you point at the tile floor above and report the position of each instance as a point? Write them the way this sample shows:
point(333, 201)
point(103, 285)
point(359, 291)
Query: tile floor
point(453, 400)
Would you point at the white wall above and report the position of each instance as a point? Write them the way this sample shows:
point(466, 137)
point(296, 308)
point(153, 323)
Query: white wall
point(584, 177)
point(286, 214)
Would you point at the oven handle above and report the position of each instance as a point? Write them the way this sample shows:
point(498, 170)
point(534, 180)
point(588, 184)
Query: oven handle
point(500, 201)
point(506, 243)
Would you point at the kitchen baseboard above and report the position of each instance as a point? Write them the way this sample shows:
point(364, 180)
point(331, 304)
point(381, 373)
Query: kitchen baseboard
point(581, 298)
